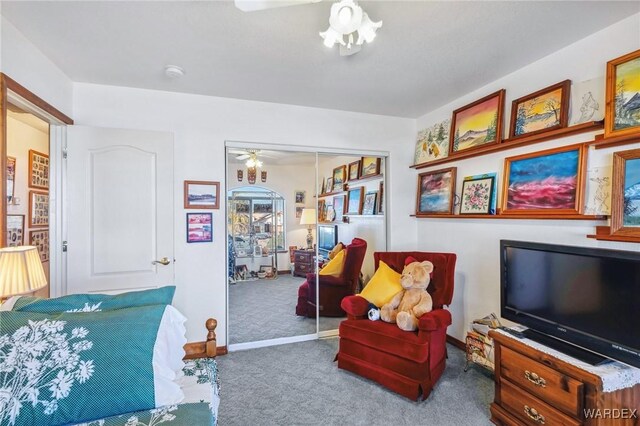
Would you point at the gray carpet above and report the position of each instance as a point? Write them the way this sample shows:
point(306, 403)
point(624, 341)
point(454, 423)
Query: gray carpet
point(266, 309)
point(299, 384)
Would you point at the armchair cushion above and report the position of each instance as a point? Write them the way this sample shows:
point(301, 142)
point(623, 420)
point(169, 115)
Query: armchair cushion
point(434, 320)
point(384, 284)
point(355, 306)
point(335, 266)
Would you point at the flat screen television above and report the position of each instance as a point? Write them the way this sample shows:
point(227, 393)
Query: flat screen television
point(587, 297)
point(327, 238)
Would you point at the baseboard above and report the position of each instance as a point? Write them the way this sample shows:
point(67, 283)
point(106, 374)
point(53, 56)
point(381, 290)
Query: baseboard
point(457, 343)
point(221, 350)
point(288, 271)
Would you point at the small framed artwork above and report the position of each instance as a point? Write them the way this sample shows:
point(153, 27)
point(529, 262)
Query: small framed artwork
point(339, 177)
point(353, 170)
point(622, 115)
point(545, 182)
point(11, 178)
point(323, 189)
point(494, 189)
point(199, 227)
point(330, 186)
point(625, 197)
point(369, 166)
point(262, 207)
point(199, 194)
point(299, 212)
point(338, 206)
point(541, 111)
point(330, 213)
point(477, 195)
point(355, 199)
point(15, 230)
point(322, 208)
point(369, 205)
point(300, 196)
point(38, 170)
point(381, 198)
point(40, 239)
point(436, 191)
point(477, 124)
point(432, 143)
point(38, 209)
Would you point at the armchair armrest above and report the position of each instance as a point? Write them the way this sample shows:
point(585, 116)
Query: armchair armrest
point(434, 320)
point(355, 306)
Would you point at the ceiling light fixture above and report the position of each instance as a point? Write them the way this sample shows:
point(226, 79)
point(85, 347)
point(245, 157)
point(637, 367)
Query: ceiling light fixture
point(173, 71)
point(253, 160)
point(346, 19)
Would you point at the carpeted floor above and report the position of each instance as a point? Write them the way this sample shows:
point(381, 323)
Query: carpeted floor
point(266, 309)
point(299, 384)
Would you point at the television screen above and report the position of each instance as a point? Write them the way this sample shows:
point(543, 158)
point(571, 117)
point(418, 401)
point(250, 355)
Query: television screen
point(590, 297)
point(327, 237)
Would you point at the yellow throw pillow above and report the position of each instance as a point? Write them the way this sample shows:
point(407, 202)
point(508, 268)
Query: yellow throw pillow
point(335, 266)
point(384, 284)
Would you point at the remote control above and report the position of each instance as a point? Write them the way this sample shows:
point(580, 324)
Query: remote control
point(516, 333)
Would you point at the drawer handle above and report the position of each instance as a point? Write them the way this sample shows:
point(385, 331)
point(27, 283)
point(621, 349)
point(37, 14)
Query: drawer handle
point(535, 379)
point(533, 414)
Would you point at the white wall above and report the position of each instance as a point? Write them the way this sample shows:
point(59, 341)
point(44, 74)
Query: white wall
point(201, 124)
point(476, 242)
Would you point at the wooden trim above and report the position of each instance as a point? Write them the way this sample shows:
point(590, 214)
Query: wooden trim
point(457, 343)
point(601, 142)
point(206, 349)
point(617, 194)
point(361, 166)
point(610, 96)
point(32, 98)
point(215, 206)
point(221, 350)
point(511, 216)
point(603, 233)
point(452, 188)
point(500, 94)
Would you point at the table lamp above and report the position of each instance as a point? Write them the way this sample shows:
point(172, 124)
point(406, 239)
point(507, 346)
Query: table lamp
point(308, 218)
point(21, 271)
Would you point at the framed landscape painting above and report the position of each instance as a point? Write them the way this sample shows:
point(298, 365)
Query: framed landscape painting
point(622, 115)
point(339, 178)
point(478, 195)
point(477, 124)
point(436, 191)
point(545, 182)
point(338, 206)
point(354, 170)
point(199, 194)
point(625, 198)
point(539, 112)
point(432, 143)
point(354, 200)
point(369, 166)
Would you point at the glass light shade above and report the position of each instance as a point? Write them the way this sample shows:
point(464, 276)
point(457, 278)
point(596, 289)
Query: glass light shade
point(332, 37)
point(308, 217)
point(367, 31)
point(345, 17)
point(21, 271)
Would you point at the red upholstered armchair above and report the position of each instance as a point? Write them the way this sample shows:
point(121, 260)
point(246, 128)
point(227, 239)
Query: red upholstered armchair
point(333, 289)
point(409, 363)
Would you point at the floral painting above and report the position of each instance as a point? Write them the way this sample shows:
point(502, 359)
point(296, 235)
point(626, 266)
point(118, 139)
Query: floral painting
point(631, 209)
point(477, 124)
point(436, 192)
point(477, 195)
point(543, 110)
point(627, 95)
point(432, 142)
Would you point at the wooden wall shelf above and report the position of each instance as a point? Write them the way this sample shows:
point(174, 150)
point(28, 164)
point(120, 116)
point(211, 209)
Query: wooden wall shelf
point(510, 216)
point(603, 233)
point(516, 142)
point(365, 179)
point(329, 194)
point(601, 142)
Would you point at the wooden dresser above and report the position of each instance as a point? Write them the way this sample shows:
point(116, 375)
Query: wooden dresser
point(534, 388)
point(303, 262)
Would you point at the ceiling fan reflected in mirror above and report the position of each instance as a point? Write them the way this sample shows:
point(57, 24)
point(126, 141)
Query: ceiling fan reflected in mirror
point(251, 155)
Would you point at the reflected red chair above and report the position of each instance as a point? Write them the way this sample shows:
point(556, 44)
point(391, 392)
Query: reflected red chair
point(409, 363)
point(333, 289)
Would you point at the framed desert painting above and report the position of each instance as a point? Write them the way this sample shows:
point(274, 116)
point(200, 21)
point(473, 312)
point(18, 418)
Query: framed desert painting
point(436, 191)
point(353, 171)
point(477, 124)
point(622, 114)
point(625, 197)
point(541, 111)
point(545, 182)
point(369, 166)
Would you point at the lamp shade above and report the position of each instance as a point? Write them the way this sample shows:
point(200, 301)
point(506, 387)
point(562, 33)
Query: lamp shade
point(21, 271)
point(308, 217)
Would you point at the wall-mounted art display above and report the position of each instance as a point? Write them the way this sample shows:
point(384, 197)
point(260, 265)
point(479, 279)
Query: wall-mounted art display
point(322, 209)
point(381, 199)
point(38, 209)
point(199, 228)
point(369, 166)
point(587, 101)
point(300, 196)
point(330, 213)
point(330, 186)
point(625, 201)
point(622, 116)
point(11, 178)
point(545, 182)
point(436, 191)
point(338, 206)
point(339, 177)
point(477, 124)
point(478, 194)
point(355, 199)
point(353, 171)
point(432, 143)
point(598, 191)
point(299, 211)
point(199, 194)
point(38, 170)
point(40, 238)
point(15, 230)
point(541, 111)
point(369, 204)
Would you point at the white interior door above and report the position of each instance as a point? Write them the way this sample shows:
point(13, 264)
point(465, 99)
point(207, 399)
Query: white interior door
point(119, 210)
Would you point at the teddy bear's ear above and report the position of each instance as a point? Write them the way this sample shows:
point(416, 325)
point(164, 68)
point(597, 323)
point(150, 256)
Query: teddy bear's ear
point(427, 265)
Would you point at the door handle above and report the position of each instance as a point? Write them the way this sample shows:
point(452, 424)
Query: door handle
point(164, 261)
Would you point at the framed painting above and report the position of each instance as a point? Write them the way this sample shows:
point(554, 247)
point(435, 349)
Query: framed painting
point(622, 113)
point(477, 124)
point(625, 197)
point(39, 238)
point(369, 204)
point(329, 188)
point(354, 200)
point(353, 171)
point(15, 230)
point(432, 143)
point(11, 178)
point(38, 170)
point(200, 194)
point(322, 207)
point(369, 166)
point(339, 177)
point(199, 228)
point(494, 189)
point(541, 111)
point(38, 209)
point(339, 202)
point(299, 212)
point(478, 195)
point(300, 196)
point(545, 182)
point(436, 191)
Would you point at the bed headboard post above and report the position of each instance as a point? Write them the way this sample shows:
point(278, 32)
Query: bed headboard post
point(206, 349)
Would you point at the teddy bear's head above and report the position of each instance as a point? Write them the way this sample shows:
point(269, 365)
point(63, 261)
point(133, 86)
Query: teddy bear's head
point(416, 275)
point(337, 249)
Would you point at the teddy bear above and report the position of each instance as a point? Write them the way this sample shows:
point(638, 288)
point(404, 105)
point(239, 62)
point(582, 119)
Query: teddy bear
point(413, 301)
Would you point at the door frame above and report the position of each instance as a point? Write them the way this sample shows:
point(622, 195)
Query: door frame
point(12, 92)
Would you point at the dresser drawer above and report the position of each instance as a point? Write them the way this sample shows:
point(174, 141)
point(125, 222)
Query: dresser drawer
point(553, 387)
point(529, 409)
point(304, 257)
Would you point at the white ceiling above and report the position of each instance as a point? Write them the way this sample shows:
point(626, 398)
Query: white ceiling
point(426, 54)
